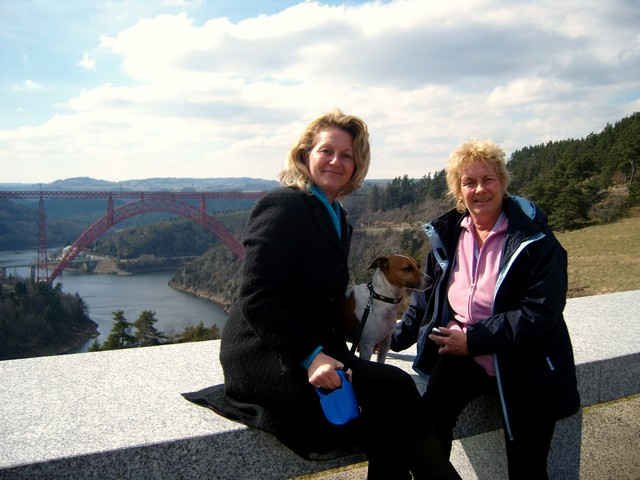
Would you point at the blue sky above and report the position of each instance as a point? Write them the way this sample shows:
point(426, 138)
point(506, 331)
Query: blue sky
point(176, 88)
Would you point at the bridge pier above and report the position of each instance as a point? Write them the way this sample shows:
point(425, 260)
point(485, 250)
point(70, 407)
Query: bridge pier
point(42, 267)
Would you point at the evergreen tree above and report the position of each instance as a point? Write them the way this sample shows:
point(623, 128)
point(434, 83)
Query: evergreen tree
point(37, 318)
point(439, 184)
point(375, 199)
point(403, 191)
point(20, 289)
point(198, 333)
point(119, 336)
point(146, 333)
point(579, 182)
point(412, 242)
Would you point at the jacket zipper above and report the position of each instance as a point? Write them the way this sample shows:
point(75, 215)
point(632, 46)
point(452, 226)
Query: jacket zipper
point(550, 363)
point(496, 363)
point(503, 402)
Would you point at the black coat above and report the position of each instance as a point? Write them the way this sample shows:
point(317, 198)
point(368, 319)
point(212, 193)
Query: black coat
point(527, 332)
point(294, 277)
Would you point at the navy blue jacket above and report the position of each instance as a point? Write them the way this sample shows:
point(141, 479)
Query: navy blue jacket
point(526, 334)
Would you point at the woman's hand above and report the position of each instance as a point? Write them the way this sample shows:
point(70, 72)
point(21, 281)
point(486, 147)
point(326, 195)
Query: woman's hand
point(452, 341)
point(322, 372)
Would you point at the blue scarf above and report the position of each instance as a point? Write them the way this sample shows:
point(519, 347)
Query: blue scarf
point(333, 209)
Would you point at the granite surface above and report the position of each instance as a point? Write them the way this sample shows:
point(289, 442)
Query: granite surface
point(120, 414)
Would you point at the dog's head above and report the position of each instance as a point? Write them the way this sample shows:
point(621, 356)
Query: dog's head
point(401, 270)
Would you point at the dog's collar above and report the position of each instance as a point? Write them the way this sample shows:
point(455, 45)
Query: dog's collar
point(382, 298)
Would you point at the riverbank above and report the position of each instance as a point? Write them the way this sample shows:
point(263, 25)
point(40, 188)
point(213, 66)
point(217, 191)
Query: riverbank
point(101, 294)
point(38, 319)
point(218, 300)
point(73, 342)
point(151, 264)
point(142, 264)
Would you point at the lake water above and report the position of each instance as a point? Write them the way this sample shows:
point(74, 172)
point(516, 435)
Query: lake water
point(105, 294)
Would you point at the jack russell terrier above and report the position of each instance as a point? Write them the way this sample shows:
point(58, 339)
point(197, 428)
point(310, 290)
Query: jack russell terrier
point(377, 303)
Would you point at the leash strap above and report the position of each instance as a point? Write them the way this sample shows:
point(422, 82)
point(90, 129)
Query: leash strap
point(372, 294)
point(365, 315)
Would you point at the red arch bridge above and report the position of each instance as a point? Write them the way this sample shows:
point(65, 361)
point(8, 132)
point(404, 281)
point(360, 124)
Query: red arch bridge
point(141, 203)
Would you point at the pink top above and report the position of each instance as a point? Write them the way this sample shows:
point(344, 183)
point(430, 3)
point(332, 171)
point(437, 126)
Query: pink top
point(473, 279)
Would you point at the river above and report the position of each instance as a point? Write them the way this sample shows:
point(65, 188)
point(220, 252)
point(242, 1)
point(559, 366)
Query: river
point(104, 294)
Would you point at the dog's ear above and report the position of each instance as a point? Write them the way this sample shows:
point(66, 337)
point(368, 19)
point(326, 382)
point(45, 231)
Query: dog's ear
point(381, 262)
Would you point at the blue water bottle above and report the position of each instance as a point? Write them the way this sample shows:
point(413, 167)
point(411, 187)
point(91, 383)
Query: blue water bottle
point(339, 405)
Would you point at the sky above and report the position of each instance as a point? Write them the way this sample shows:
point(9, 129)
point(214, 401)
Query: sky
point(123, 89)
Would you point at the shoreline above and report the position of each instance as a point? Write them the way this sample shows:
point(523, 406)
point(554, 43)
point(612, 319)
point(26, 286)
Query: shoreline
point(133, 266)
point(77, 339)
point(224, 304)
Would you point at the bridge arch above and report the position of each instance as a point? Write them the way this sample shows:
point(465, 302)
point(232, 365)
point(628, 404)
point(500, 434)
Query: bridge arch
point(132, 209)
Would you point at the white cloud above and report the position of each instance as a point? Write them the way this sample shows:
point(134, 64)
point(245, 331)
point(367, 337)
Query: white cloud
point(223, 98)
point(181, 3)
point(528, 91)
point(27, 86)
point(87, 62)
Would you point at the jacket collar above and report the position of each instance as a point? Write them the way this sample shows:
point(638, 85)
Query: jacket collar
point(524, 215)
point(325, 224)
point(525, 221)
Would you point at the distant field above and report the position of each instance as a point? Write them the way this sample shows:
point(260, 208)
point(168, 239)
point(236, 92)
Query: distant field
point(604, 258)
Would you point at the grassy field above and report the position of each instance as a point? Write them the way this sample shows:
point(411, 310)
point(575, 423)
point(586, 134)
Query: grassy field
point(604, 258)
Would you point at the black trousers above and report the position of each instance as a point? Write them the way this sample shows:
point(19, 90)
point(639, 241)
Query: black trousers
point(454, 382)
point(390, 429)
point(391, 426)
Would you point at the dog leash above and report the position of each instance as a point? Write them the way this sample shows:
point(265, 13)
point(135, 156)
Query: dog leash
point(372, 295)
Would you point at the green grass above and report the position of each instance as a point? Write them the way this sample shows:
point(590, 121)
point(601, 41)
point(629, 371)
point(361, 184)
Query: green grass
point(604, 258)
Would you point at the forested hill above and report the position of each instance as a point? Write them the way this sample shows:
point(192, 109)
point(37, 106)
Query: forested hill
point(38, 319)
point(585, 181)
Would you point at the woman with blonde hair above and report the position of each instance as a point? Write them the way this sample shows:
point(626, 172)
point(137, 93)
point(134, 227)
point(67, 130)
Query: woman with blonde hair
point(285, 337)
point(297, 172)
point(492, 321)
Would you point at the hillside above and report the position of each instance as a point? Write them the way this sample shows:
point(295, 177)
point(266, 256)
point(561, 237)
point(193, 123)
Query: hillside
point(601, 258)
point(171, 238)
point(580, 182)
point(604, 258)
point(37, 319)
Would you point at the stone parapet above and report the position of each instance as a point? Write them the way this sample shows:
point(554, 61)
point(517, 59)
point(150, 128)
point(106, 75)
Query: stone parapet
point(120, 414)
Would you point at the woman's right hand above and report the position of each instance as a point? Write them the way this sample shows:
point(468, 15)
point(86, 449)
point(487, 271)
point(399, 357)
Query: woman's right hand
point(451, 340)
point(322, 372)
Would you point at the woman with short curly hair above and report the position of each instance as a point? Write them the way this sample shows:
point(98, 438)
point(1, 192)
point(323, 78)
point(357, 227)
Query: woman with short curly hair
point(492, 321)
